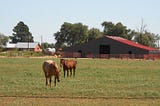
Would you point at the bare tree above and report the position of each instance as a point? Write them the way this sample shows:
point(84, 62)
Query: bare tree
point(142, 28)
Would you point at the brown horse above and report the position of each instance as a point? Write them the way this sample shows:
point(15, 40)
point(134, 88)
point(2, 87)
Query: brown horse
point(50, 68)
point(68, 65)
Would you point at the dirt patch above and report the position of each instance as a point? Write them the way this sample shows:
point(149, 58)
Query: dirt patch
point(49, 101)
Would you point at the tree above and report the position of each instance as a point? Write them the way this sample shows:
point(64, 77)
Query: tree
point(3, 40)
point(62, 35)
point(47, 45)
point(108, 27)
point(118, 29)
point(146, 38)
point(21, 33)
point(94, 33)
point(71, 34)
point(78, 34)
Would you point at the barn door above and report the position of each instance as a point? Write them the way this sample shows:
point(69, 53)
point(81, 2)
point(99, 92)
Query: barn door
point(104, 49)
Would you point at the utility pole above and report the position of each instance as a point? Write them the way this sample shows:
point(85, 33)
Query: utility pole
point(41, 39)
point(42, 42)
point(28, 42)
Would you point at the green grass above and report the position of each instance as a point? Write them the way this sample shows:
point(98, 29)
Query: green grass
point(106, 82)
point(95, 78)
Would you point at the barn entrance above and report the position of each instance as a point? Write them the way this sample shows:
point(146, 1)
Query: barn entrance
point(104, 49)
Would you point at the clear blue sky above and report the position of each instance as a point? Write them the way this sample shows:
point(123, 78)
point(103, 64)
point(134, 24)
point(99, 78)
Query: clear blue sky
point(45, 17)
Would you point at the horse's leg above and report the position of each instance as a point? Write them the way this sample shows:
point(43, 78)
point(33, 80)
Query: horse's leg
point(46, 81)
point(67, 72)
point(74, 71)
point(50, 80)
point(64, 72)
point(55, 81)
point(70, 72)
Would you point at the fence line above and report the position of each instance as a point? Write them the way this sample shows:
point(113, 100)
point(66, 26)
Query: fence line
point(20, 54)
point(87, 55)
point(108, 56)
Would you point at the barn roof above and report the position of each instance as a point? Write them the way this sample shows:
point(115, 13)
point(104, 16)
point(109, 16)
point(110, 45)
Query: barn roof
point(131, 43)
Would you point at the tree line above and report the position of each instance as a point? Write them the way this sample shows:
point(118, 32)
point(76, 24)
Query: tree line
point(78, 33)
point(73, 34)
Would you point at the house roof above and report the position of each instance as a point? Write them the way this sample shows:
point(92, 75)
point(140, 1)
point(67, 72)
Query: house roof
point(26, 45)
point(131, 43)
point(23, 45)
point(10, 45)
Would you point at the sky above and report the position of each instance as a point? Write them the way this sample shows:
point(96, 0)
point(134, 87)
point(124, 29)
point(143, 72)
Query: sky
point(45, 17)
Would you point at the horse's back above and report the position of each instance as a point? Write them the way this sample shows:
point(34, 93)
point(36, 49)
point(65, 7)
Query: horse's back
point(46, 65)
point(70, 63)
point(49, 67)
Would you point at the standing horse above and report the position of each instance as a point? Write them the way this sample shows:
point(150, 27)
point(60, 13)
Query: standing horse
point(50, 68)
point(68, 65)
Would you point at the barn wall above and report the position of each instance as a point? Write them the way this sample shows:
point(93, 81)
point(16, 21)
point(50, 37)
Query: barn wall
point(115, 47)
point(120, 48)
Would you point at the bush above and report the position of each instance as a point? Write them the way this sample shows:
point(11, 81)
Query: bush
point(16, 53)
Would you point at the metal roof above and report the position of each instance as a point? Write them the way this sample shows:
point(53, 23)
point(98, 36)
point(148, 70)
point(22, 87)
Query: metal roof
point(23, 45)
point(131, 43)
point(10, 45)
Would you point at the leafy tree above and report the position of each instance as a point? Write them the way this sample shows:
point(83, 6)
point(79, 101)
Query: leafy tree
point(118, 29)
point(94, 33)
point(108, 27)
point(156, 40)
point(60, 39)
point(21, 33)
point(78, 34)
point(71, 34)
point(47, 45)
point(3, 40)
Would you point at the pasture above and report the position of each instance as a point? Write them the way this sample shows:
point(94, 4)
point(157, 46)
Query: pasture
point(97, 82)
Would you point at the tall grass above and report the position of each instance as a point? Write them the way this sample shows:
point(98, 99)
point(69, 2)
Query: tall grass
point(95, 78)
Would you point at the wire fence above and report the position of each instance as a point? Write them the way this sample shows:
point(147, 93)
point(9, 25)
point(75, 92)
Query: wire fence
point(151, 56)
point(20, 54)
point(108, 56)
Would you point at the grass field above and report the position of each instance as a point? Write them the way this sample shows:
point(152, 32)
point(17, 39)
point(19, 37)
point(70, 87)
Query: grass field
point(97, 82)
